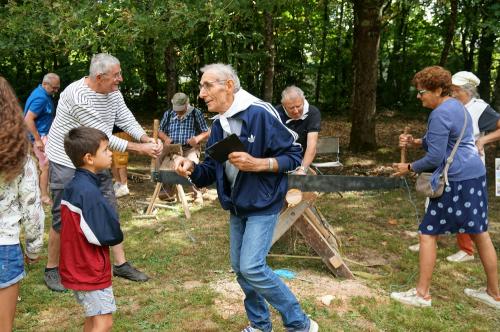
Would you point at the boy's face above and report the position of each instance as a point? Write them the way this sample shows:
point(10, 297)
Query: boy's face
point(102, 157)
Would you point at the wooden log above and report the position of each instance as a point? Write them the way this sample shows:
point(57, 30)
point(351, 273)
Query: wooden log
point(293, 197)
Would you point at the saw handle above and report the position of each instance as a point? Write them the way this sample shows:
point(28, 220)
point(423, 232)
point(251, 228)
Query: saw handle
point(155, 162)
point(403, 149)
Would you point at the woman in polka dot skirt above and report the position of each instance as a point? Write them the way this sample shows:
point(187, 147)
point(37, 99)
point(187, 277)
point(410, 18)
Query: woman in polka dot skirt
point(463, 207)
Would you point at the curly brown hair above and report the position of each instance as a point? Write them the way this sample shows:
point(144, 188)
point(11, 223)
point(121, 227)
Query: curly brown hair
point(433, 78)
point(13, 136)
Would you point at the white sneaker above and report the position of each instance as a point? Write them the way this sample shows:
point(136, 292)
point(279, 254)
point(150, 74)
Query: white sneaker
point(313, 326)
point(481, 295)
point(412, 298)
point(122, 191)
point(415, 247)
point(249, 328)
point(460, 257)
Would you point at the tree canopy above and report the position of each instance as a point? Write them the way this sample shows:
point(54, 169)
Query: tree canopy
point(272, 44)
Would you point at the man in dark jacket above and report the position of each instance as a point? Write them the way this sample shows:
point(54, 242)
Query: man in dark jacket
point(252, 186)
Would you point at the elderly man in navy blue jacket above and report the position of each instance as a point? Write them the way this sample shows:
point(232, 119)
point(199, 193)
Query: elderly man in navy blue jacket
point(252, 186)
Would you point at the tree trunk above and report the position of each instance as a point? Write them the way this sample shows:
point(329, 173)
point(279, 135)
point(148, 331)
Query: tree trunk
point(151, 93)
point(170, 72)
point(338, 59)
point(271, 53)
point(484, 62)
point(319, 74)
point(469, 34)
point(452, 22)
point(496, 93)
point(395, 72)
point(367, 26)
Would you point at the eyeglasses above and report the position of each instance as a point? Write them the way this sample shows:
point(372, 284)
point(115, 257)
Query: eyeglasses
point(421, 92)
point(115, 75)
point(55, 87)
point(209, 85)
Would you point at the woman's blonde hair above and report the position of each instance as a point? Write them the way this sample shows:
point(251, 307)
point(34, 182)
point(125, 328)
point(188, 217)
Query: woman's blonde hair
point(13, 136)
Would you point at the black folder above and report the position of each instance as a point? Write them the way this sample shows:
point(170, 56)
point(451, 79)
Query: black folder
point(221, 150)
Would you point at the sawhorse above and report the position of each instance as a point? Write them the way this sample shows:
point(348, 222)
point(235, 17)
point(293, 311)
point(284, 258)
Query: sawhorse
point(316, 231)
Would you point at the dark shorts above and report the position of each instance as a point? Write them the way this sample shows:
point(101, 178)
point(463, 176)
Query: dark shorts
point(463, 208)
point(60, 176)
point(11, 265)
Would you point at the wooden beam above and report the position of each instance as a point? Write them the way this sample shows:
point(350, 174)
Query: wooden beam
point(321, 246)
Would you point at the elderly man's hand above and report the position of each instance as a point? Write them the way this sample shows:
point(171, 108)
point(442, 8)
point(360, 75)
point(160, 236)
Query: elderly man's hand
point(183, 166)
point(245, 162)
point(152, 149)
point(193, 141)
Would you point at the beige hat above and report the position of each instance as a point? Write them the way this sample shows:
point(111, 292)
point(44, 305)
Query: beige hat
point(465, 77)
point(179, 101)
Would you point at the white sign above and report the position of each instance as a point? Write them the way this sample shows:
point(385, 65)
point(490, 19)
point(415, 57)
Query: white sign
point(497, 176)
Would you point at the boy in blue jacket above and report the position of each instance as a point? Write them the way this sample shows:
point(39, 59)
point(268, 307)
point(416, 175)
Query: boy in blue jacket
point(89, 226)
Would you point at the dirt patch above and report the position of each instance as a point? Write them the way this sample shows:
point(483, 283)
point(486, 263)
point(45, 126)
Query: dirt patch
point(306, 284)
point(191, 284)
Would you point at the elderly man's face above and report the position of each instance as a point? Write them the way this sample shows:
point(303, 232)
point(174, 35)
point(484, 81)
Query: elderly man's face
point(217, 93)
point(52, 87)
point(294, 107)
point(110, 81)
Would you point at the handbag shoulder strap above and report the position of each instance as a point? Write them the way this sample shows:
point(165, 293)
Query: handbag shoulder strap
point(449, 160)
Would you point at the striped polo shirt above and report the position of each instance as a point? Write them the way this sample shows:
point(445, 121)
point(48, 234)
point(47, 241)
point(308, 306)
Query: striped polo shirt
point(81, 106)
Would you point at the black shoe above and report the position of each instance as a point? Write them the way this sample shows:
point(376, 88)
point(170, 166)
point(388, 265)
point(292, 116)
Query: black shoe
point(129, 272)
point(53, 280)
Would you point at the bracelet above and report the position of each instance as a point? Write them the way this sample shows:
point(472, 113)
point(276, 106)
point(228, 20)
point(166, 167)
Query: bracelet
point(271, 164)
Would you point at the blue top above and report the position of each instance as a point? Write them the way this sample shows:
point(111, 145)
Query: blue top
point(40, 103)
point(181, 130)
point(264, 136)
point(443, 130)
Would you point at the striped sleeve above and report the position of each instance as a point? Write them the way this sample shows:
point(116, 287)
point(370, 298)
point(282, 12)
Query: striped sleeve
point(125, 119)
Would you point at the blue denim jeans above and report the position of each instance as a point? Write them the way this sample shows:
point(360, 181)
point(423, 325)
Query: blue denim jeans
point(11, 265)
point(250, 241)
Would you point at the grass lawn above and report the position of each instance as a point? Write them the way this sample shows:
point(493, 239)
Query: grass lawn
point(192, 287)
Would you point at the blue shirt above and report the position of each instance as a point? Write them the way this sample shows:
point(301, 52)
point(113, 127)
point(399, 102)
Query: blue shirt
point(40, 103)
point(180, 130)
point(443, 130)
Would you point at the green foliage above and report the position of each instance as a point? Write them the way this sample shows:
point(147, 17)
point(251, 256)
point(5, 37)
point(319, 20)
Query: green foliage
point(42, 35)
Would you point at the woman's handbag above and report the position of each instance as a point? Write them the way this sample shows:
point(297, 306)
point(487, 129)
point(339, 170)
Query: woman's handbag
point(423, 185)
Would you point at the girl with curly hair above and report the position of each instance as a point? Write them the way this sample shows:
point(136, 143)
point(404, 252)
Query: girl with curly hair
point(19, 203)
point(463, 206)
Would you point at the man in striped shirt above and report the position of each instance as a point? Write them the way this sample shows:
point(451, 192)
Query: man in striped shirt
point(93, 101)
